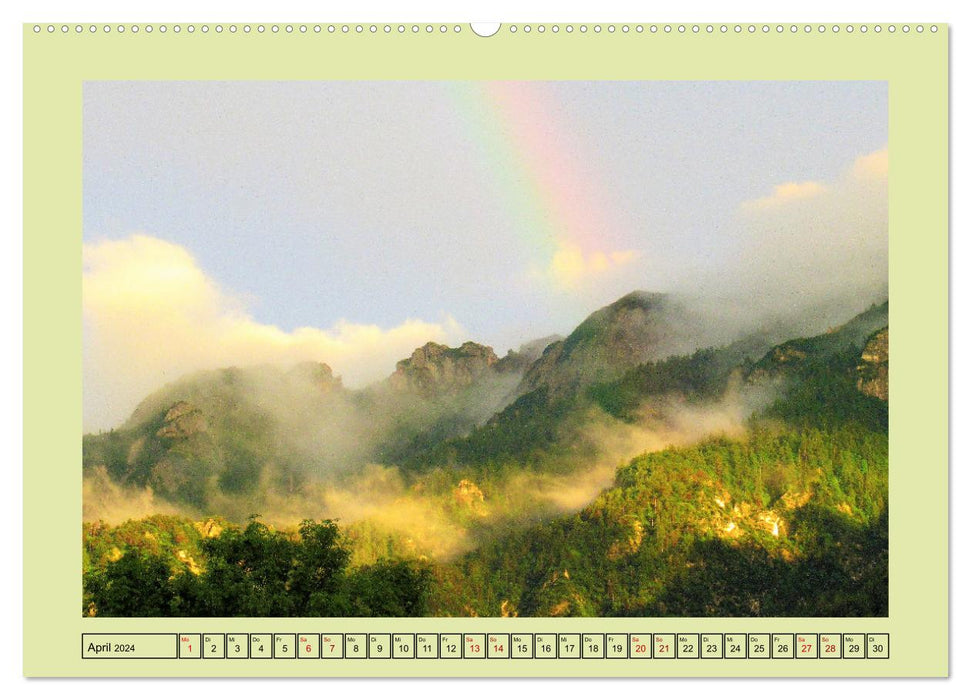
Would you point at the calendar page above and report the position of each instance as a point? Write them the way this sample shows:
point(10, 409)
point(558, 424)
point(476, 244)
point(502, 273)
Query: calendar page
point(423, 349)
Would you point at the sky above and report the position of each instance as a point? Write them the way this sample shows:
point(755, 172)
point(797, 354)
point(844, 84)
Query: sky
point(350, 222)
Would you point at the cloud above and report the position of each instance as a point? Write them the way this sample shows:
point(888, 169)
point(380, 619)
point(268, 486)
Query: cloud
point(816, 249)
point(870, 170)
point(571, 265)
point(151, 315)
point(785, 193)
point(873, 166)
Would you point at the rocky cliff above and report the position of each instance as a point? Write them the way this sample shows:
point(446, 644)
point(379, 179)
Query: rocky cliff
point(874, 367)
point(435, 369)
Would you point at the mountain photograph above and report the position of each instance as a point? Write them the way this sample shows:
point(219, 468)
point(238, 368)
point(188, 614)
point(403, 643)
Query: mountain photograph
point(500, 357)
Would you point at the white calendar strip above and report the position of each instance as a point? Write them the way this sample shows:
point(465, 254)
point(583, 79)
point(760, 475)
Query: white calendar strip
point(646, 646)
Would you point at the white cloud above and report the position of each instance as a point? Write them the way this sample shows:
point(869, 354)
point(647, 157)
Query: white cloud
point(817, 245)
point(785, 193)
point(151, 315)
point(571, 265)
point(873, 166)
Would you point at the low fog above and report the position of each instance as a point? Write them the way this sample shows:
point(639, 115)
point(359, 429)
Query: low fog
point(440, 513)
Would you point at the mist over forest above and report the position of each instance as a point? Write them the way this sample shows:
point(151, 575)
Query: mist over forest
point(461, 457)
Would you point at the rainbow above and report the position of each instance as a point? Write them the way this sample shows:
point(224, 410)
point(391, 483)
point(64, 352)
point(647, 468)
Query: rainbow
point(548, 179)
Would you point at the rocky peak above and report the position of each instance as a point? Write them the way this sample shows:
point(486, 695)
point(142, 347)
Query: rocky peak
point(636, 328)
point(435, 368)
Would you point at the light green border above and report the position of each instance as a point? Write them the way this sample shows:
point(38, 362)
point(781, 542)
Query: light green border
point(915, 66)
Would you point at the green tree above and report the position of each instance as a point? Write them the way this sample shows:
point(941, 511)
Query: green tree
point(137, 585)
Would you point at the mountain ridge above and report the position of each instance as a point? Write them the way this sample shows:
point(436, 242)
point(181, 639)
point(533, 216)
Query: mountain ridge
point(715, 482)
point(249, 430)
